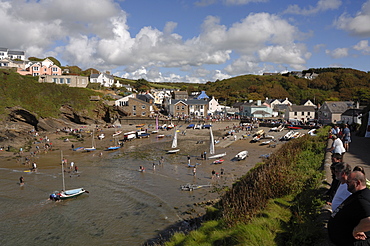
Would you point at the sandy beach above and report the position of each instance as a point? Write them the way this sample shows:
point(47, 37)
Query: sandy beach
point(191, 142)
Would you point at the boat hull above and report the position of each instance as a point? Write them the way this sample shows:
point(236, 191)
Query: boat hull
point(217, 156)
point(72, 193)
point(173, 151)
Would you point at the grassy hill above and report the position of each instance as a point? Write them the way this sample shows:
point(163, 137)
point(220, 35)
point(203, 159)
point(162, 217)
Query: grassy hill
point(44, 99)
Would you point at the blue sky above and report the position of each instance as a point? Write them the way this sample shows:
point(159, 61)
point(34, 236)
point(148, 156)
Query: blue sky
point(190, 41)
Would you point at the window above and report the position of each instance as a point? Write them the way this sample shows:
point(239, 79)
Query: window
point(308, 113)
point(143, 113)
point(134, 108)
point(134, 113)
point(302, 113)
point(183, 107)
point(143, 106)
point(35, 68)
point(36, 74)
point(68, 80)
point(55, 80)
point(61, 81)
point(55, 69)
point(177, 107)
point(295, 114)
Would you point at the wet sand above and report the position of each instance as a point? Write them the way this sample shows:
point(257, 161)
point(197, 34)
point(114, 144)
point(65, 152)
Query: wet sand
point(191, 142)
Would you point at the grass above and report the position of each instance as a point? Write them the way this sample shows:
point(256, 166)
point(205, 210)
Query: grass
point(44, 99)
point(276, 203)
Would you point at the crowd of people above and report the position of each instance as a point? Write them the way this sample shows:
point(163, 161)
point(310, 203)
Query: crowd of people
point(349, 196)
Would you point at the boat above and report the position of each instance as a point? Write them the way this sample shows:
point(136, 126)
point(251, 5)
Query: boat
point(191, 187)
point(287, 136)
point(259, 133)
point(190, 126)
point(117, 133)
point(129, 135)
point(294, 127)
point(256, 139)
point(101, 136)
point(140, 125)
point(217, 156)
point(144, 135)
point(277, 129)
point(92, 148)
point(114, 147)
point(241, 155)
point(160, 136)
point(207, 126)
point(220, 161)
point(79, 149)
point(312, 132)
point(266, 142)
point(65, 194)
point(174, 144)
point(212, 147)
point(198, 126)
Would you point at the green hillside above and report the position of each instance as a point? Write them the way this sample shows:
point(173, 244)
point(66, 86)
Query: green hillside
point(44, 99)
point(332, 84)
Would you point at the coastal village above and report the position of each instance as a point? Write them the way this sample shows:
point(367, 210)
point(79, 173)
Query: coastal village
point(175, 155)
point(180, 105)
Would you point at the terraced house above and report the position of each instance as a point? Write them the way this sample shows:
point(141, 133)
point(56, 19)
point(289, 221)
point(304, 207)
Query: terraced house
point(37, 68)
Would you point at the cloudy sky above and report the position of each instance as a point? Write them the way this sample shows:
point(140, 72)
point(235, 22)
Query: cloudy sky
point(190, 40)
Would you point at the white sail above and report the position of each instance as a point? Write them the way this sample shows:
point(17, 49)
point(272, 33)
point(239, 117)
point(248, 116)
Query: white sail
point(212, 143)
point(174, 141)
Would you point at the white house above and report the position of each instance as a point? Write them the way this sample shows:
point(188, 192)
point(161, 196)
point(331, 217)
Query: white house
point(213, 106)
point(124, 100)
point(300, 112)
point(12, 54)
point(105, 79)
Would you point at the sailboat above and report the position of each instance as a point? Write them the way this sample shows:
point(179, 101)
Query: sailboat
point(174, 144)
point(64, 194)
point(212, 147)
point(92, 144)
point(114, 147)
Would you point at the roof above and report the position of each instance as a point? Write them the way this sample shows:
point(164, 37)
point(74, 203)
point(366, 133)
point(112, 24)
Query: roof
point(202, 95)
point(301, 108)
point(3, 49)
point(14, 52)
point(180, 92)
point(338, 107)
point(262, 112)
point(190, 101)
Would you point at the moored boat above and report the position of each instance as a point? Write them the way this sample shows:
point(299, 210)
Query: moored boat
point(241, 155)
point(220, 161)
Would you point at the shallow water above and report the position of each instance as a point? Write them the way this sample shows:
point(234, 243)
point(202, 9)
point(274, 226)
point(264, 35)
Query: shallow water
point(123, 207)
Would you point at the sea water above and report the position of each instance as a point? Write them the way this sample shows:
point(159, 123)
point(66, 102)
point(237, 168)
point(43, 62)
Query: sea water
point(123, 206)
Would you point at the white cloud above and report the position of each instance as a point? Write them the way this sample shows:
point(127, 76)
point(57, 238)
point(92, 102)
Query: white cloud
point(242, 2)
point(358, 25)
point(321, 6)
point(203, 3)
point(363, 46)
point(97, 35)
point(338, 53)
point(317, 48)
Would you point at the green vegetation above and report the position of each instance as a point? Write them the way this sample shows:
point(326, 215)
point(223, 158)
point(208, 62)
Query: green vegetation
point(276, 203)
point(44, 99)
point(331, 84)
